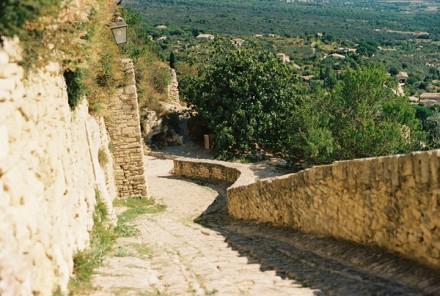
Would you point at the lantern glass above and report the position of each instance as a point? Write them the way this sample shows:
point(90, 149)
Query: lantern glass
point(119, 30)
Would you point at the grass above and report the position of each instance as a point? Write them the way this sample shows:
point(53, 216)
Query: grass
point(124, 230)
point(142, 250)
point(137, 207)
point(102, 238)
point(121, 252)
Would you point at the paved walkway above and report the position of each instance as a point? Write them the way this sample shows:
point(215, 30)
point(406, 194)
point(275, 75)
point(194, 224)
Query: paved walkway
point(174, 255)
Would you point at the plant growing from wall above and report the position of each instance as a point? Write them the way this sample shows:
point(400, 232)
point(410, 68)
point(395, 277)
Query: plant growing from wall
point(101, 239)
point(75, 87)
point(102, 157)
point(58, 31)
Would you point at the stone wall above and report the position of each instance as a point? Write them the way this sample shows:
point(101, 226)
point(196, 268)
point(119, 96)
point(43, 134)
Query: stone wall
point(173, 89)
point(49, 170)
point(392, 202)
point(206, 169)
point(125, 133)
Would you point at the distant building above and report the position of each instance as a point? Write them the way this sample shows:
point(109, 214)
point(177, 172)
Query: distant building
point(430, 96)
point(402, 77)
point(413, 100)
point(429, 99)
point(285, 58)
point(308, 77)
point(161, 27)
point(337, 56)
point(205, 36)
point(258, 35)
point(237, 41)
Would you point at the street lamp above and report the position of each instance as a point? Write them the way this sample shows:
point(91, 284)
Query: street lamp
point(119, 29)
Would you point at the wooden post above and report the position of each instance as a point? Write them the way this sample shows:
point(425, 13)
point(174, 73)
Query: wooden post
point(206, 141)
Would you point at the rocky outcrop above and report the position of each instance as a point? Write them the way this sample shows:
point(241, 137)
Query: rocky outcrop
point(49, 173)
point(152, 124)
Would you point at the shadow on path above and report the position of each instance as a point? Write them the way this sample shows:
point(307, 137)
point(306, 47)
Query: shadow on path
point(333, 266)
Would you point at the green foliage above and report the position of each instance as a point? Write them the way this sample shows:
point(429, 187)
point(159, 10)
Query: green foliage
point(103, 236)
point(102, 157)
point(367, 119)
point(172, 60)
point(125, 230)
point(15, 13)
point(432, 128)
point(244, 97)
point(249, 101)
point(101, 239)
point(394, 71)
point(335, 18)
point(76, 90)
point(152, 75)
point(137, 206)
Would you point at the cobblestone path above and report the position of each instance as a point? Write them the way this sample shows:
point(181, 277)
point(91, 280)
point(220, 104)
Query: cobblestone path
point(174, 255)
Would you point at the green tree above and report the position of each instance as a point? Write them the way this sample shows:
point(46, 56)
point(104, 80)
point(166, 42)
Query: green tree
point(245, 98)
point(368, 119)
point(432, 126)
point(172, 60)
point(394, 71)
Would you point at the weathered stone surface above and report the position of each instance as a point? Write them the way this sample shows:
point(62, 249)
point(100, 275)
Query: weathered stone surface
point(173, 89)
point(391, 202)
point(125, 133)
point(49, 170)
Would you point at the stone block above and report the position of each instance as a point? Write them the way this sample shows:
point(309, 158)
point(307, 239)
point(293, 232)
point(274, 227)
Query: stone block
point(130, 89)
point(128, 131)
point(4, 142)
point(7, 84)
point(4, 58)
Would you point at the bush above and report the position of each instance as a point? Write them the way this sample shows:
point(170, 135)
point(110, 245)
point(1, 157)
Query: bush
point(244, 98)
point(14, 14)
point(75, 88)
point(102, 157)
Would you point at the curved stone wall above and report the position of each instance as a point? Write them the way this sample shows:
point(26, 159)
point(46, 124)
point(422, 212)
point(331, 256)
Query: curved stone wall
point(392, 202)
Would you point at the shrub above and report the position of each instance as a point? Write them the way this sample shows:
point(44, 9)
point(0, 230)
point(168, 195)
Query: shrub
point(102, 157)
point(75, 88)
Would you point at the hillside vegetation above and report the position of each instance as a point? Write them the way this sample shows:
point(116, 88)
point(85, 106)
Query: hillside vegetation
point(332, 98)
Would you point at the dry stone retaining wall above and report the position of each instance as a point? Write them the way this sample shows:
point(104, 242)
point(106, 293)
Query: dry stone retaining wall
point(125, 133)
point(173, 89)
point(392, 202)
point(49, 170)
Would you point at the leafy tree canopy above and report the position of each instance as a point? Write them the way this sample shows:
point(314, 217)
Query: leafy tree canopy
point(244, 97)
point(250, 100)
point(366, 118)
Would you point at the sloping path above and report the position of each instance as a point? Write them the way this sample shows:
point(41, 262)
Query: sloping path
point(174, 255)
